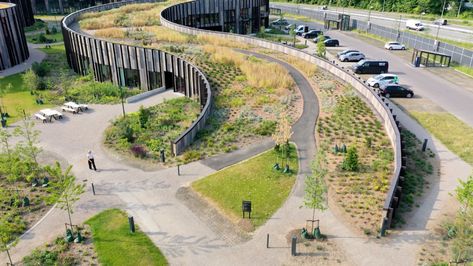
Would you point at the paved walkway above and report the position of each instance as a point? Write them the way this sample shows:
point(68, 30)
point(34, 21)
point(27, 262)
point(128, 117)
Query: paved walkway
point(35, 56)
point(186, 240)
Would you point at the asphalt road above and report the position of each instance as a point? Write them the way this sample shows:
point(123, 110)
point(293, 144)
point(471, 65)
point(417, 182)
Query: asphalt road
point(452, 98)
point(452, 32)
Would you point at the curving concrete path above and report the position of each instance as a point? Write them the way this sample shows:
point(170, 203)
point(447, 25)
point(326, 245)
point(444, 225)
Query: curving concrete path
point(150, 196)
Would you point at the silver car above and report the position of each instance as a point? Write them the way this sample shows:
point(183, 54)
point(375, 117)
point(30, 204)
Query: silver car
point(353, 57)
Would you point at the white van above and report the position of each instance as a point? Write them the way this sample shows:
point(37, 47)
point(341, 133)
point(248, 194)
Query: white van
point(413, 24)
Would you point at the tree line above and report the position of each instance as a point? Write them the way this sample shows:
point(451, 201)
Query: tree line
point(406, 6)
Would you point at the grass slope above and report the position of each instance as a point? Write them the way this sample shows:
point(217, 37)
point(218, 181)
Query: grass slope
point(254, 180)
point(115, 245)
point(451, 131)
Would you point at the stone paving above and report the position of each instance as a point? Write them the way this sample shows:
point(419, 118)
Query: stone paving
point(185, 239)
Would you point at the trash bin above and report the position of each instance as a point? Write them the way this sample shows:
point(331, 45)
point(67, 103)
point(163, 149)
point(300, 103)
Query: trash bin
point(4, 123)
point(417, 61)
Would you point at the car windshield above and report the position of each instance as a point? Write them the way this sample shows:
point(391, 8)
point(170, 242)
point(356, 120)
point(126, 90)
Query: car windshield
point(378, 77)
point(361, 62)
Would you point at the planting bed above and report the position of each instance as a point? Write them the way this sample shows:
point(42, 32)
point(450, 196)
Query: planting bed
point(347, 121)
point(144, 133)
point(249, 93)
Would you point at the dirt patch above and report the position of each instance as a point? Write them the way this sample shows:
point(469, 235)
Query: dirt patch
point(232, 232)
point(315, 252)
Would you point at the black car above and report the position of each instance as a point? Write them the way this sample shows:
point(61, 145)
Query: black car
point(312, 34)
point(371, 67)
point(318, 38)
point(394, 90)
point(331, 43)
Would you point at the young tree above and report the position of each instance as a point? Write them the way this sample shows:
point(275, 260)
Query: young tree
point(282, 135)
point(8, 232)
point(292, 32)
point(315, 189)
point(350, 162)
point(462, 243)
point(464, 193)
point(30, 80)
point(64, 190)
point(321, 49)
point(28, 145)
point(65, 82)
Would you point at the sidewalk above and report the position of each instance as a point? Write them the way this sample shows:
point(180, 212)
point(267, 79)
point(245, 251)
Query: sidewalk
point(35, 56)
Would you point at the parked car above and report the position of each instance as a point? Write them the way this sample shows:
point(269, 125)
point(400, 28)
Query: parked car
point(312, 34)
point(371, 67)
point(289, 26)
point(301, 29)
point(440, 21)
point(280, 22)
point(346, 52)
point(413, 24)
point(353, 56)
point(382, 80)
point(396, 91)
point(394, 46)
point(323, 8)
point(318, 38)
point(331, 43)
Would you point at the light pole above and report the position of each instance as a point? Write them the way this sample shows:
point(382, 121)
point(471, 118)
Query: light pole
point(459, 8)
point(369, 13)
point(441, 16)
point(122, 94)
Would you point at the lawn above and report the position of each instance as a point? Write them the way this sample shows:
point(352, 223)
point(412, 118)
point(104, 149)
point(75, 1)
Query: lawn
point(116, 245)
point(18, 98)
point(255, 180)
point(451, 131)
point(48, 38)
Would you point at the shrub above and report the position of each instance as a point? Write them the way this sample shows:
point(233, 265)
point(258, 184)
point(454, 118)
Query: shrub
point(53, 30)
point(266, 128)
point(41, 69)
point(138, 151)
point(191, 155)
point(41, 257)
point(350, 162)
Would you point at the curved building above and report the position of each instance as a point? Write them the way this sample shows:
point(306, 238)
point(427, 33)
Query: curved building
point(13, 46)
point(237, 16)
point(135, 66)
point(25, 11)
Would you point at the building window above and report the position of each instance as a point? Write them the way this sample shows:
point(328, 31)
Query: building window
point(155, 80)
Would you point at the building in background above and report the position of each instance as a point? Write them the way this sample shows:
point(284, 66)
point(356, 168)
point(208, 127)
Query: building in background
point(13, 47)
point(25, 11)
point(237, 16)
point(64, 6)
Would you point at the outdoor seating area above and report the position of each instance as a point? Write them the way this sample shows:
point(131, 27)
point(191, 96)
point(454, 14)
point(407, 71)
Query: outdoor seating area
point(47, 115)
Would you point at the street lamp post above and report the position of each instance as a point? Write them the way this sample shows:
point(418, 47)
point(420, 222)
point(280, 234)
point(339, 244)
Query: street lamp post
point(441, 17)
point(122, 94)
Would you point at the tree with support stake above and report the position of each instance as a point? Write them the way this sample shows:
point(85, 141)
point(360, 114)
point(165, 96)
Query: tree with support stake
point(281, 137)
point(64, 190)
point(316, 191)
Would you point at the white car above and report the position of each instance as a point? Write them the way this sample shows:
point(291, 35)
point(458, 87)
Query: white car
point(413, 24)
point(353, 56)
point(394, 46)
point(382, 80)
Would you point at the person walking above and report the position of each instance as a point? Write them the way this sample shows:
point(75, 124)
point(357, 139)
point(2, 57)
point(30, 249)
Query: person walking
point(90, 159)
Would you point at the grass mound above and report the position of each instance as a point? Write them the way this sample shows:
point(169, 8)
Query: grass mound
point(116, 245)
point(255, 180)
